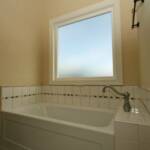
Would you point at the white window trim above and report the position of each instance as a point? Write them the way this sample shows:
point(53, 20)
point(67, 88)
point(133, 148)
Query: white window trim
point(100, 8)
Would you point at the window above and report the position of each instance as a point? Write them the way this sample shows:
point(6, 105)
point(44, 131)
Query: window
point(84, 48)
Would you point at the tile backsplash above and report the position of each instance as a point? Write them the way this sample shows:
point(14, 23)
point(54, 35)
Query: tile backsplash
point(12, 97)
point(83, 96)
point(145, 97)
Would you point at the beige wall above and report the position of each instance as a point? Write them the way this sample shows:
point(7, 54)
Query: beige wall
point(20, 42)
point(144, 43)
point(24, 39)
point(55, 8)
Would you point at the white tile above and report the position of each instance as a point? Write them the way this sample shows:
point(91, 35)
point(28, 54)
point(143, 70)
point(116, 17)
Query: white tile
point(49, 99)
point(126, 131)
point(17, 103)
point(94, 90)
point(49, 89)
point(94, 102)
point(38, 90)
point(25, 101)
point(146, 99)
point(7, 105)
point(61, 91)
point(54, 89)
point(114, 104)
point(68, 99)
point(85, 90)
point(32, 90)
point(7, 91)
point(137, 92)
point(103, 103)
point(25, 90)
point(17, 91)
point(54, 98)
point(43, 99)
point(144, 133)
point(126, 145)
point(76, 100)
point(76, 90)
point(38, 98)
point(85, 99)
point(100, 90)
point(145, 146)
point(45, 89)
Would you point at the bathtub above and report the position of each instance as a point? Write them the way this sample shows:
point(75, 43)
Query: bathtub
point(47, 126)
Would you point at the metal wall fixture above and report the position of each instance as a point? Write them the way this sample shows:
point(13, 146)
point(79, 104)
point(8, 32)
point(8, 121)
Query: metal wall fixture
point(134, 11)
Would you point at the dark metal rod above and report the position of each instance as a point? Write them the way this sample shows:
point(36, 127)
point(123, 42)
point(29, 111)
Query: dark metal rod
point(134, 11)
point(133, 19)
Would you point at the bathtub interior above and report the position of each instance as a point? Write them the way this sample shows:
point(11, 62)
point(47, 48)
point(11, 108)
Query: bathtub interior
point(86, 116)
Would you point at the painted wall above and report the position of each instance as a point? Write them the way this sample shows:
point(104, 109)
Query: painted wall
point(144, 43)
point(24, 39)
point(54, 8)
point(20, 42)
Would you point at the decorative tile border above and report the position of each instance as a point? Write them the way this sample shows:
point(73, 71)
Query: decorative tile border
point(90, 96)
point(64, 94)
point(67, 95)
point(19, 92)
point(16, 97)
point(7, 95)
point(55, 90)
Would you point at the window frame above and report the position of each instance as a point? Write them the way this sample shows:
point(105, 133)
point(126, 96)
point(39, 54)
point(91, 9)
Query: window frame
point(104, 7)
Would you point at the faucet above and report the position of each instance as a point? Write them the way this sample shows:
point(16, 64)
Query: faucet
point(126, 96)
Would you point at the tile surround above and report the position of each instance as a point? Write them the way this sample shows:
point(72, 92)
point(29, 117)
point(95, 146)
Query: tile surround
point(145, 96)
point(86, 96)
point(131, 136)
point(12, 97)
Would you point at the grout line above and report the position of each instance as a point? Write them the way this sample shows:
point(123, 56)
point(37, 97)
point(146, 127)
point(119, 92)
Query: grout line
point(68, 95)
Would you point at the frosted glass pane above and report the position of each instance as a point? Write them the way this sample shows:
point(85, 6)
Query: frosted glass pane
point(85, 48)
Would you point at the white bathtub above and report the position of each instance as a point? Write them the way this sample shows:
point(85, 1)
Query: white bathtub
point(55, 127)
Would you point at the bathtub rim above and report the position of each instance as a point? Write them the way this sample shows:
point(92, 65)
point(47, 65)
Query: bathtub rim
point(102, 129)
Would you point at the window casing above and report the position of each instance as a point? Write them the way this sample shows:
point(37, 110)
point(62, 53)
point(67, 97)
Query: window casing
point(106, 7)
